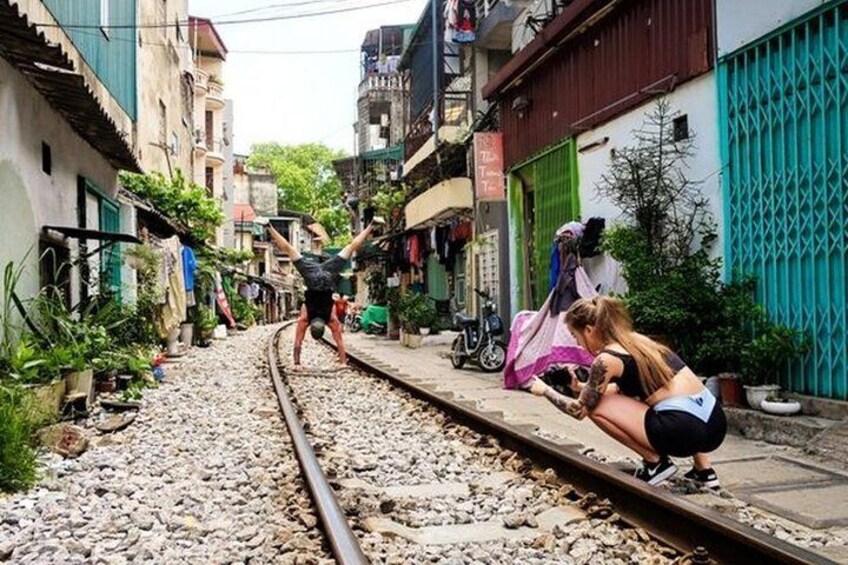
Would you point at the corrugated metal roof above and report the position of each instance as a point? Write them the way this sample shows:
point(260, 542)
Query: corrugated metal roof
point(639, 50)
point(50, 71)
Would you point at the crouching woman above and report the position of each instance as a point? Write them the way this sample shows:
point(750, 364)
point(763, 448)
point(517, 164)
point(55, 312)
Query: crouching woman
point(641, 393)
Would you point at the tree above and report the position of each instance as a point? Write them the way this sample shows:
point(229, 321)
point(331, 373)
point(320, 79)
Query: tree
point(306, 182)
point(648, 182)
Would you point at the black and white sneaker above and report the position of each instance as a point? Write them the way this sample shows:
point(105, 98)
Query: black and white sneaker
point(656, 473)
point(706, 478)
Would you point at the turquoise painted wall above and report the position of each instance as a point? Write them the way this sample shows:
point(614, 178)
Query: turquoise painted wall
point(112, 55)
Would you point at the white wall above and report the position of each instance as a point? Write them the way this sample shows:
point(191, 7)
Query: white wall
point(739, 22)
point(696, 99)
point(30, 198)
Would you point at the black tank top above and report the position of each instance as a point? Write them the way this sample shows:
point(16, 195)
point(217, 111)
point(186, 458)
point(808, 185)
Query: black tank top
point(629, 382)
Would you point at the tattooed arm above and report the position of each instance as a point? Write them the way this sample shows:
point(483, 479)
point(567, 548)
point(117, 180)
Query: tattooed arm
point(595, 387)
point(568, 405)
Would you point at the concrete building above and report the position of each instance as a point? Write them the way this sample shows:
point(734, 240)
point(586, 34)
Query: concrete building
point(68, 101)
point(166, 103)
point(211, 139)
point(254, 194)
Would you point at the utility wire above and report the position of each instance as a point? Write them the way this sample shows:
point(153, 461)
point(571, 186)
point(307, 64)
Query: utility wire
point(228, 22)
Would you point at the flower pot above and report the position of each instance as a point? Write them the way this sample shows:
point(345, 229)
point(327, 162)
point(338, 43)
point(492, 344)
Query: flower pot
point(186, 333)
point(220, 332)
point(413, 341)
point(48, 398)
point(756, 394)
point(173, 341)
point(731, 389)
point(781, 408)
point(425, 331)
point(81, 381)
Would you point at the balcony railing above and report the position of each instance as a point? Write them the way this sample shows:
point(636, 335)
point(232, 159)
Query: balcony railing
point(215, 150)
point(455, 111)
point(484, 7)
point(380, 83)
point(201, 80)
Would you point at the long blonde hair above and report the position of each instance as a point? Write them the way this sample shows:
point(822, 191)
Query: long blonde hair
point(612, 324)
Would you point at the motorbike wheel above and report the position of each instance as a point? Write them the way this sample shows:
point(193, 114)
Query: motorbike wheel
point(458, 359)
point(355, 325)
point(493, 357)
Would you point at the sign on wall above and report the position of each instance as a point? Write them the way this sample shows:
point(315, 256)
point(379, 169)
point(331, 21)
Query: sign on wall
point(488, 159)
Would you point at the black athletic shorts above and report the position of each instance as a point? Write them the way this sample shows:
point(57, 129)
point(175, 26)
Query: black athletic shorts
point(321, 276)
point(319, 304)
point(680, 434)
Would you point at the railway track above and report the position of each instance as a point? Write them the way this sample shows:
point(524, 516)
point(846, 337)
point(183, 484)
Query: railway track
point(549, 503)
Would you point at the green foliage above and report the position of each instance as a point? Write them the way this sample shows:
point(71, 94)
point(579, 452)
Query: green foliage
point(674, 288)
point(377, 289)
point(205, 319)
point(769, 353)
point(415, 312)
point(307, 182)
point(243, 310)
point(180, 199)
point(134, 391)
point(387, 198)
point(18, 422)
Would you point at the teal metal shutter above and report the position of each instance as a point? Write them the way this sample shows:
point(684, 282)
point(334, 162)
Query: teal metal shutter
point(110, 259)
point(557, 201)
point(784, 113)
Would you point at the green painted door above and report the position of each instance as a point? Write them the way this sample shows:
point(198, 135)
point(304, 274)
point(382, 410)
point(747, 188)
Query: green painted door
point(437, 279)
point(543, 195)
point(784, 115)
point(110, 258)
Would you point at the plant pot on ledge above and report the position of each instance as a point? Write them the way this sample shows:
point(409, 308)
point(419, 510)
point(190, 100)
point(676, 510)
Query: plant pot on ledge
point(731, 389)
point(756, 394)
point(780, 406)
point(413, 341)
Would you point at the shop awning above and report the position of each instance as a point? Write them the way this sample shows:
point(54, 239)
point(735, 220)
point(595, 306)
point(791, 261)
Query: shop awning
point(79, 233)
point(441, 202)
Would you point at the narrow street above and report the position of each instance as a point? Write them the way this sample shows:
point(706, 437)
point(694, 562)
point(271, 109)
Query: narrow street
point(205, 474)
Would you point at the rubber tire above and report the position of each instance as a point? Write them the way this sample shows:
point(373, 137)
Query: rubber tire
point(500, 365)
point(458, 361)
point(355, 326)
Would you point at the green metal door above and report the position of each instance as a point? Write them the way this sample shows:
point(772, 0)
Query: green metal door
point(437, 279)
point(784, 116)
point(110, 258)
point(555, 201)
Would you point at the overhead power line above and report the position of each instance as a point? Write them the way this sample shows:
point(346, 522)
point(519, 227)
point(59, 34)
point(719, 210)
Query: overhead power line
point(230, 22)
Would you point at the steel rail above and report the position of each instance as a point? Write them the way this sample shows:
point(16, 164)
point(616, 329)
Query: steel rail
point(343, 542)
point(669, 518)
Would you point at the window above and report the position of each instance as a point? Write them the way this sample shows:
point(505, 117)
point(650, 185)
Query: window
point(46, 158)
point(681, 127)
point(163, 123)
point(175, 144)
point(104, 17)
point(210, 181)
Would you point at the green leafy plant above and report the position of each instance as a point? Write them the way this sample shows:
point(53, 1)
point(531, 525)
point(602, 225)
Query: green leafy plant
point(18, 421)
point(205, 319)
point(25, 362)
point(415, 312)
point(135, 390)
point(180, 199)
point(377, 287)
point(769, 353)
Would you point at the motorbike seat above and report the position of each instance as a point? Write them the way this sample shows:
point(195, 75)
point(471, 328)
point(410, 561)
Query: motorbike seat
point(465, 320)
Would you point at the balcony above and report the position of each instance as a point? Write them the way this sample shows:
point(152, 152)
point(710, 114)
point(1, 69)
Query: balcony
point(380, 83)
point(215, 95)
point(419, 143)
point(494, 27)
point(200, 148)
point(201, 82)
point(215, 152)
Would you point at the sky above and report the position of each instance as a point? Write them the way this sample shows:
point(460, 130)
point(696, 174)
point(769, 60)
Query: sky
point(301, 98)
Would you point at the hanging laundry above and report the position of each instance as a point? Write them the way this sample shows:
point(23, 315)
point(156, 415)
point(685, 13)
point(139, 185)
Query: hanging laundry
point(414, 258)
point(460, 21)
point(173, 312)
point(189, 269)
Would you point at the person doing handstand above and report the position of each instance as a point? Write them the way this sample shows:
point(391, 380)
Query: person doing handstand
point(317, 311)
point(661, 408)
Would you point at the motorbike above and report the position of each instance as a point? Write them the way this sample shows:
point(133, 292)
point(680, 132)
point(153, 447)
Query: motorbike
point(476, 341)
point(369, 321)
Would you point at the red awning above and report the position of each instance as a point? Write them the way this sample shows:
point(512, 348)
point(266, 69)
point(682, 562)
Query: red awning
point(243, 213)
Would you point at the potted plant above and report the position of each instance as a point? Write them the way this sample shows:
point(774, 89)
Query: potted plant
point(780, 406)
point(415, 312)
point(766, 356)
point(205, 324)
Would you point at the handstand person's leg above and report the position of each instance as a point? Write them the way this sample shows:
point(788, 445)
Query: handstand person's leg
point(357, 242)
point(299, 335)
point(336, 329)
point(283, 244)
